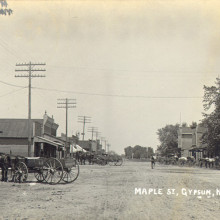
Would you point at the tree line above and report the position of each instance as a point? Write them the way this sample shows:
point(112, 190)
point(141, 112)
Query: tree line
point(138, 152)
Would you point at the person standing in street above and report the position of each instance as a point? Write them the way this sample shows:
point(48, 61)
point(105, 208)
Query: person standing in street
point(152, 162)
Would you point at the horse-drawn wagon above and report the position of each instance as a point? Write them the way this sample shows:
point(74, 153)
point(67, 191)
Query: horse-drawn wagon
point(48, 170)
point(104, 159)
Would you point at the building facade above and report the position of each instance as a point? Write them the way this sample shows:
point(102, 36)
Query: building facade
point(185, 140)
point(189, 141)
point(14, 137)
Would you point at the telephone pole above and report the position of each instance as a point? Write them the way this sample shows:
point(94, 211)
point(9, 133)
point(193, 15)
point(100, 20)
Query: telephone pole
point(108, 145)
point(97, 134)
point(102, 139)
point(30, 69)
point(105, 146)
point(66, 103)
point(93, 130)
point(84, 120)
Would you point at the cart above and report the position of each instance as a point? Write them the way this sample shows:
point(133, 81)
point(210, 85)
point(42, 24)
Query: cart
point(47, 170)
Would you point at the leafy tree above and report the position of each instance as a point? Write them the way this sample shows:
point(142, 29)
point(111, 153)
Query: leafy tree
point(211, 121)
point(168, 137)
point(193, 125)
point(138, 151)
point(150, 152)
point(184, 125)
point(128, 152)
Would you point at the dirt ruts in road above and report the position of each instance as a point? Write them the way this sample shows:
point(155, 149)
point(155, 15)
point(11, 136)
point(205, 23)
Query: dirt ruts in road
point(107, 192)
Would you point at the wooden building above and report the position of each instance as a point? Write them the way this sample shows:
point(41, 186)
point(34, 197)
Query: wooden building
point(14, 137)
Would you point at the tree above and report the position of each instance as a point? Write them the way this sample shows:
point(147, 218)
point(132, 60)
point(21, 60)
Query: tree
point(184, 125)
point(150, 152)
point(168, 137)
point(137, 151)
point(128, 152)
point(193, 125)
point(211, 121)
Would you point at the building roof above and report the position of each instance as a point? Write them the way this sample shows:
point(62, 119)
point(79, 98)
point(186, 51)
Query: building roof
point(15, 128)
point(186, 130)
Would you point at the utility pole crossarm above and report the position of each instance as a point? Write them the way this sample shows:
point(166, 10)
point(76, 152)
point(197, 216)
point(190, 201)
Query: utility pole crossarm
point(33, 70)
point(27, 64)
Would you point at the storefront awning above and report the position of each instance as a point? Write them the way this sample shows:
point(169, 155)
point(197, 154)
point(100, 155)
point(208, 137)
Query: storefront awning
point(47, 141)
point(198, 149)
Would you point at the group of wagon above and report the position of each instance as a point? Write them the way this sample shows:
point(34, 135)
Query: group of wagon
point(47, 170)
point(104, 159)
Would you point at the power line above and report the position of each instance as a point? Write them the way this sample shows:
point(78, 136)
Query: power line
point(121, 96)
point(110, 95)
point(135, 71)
point(12, 92)
point(13, 85)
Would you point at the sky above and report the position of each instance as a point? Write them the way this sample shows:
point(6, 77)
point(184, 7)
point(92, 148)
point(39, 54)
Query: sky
point(132, 66)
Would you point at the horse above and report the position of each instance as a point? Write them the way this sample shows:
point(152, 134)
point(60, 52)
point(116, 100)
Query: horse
point(210, 162)
point(182, 161)
point(90, 157)
point(82, 157)
point(5, 163)
point(191, 160)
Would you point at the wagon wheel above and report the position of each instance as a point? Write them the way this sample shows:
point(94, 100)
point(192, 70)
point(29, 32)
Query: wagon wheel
point(20, 172)
point(119, 162)
point(71, 174)
point(111, 163)
point(52, 171)
point(39, 175)
point(103, 162)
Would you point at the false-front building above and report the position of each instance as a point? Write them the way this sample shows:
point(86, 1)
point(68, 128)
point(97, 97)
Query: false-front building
point(14, 137)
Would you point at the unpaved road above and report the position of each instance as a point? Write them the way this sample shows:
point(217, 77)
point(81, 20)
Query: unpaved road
point(106, 192)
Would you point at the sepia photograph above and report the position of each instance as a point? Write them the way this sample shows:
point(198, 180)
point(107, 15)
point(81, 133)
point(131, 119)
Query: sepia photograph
point(110, 109)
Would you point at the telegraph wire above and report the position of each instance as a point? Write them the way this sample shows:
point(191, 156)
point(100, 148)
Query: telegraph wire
point(127, 70)
point(121, 96)
point(9, 84)
point(13, 91)
point(109, 95)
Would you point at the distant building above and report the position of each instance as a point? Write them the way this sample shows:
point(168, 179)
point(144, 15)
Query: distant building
point(91, 145)
point(14, 137)
point(185, 140)
point(198, 150)
point(69, 141)
point(189, 141)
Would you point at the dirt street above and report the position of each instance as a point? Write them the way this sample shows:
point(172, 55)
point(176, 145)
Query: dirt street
point(132, 191)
